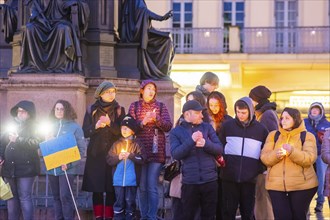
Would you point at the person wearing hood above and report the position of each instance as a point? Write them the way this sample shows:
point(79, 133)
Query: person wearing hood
point(154, 120)
point(207, 84)
point(316, 123)
point(102, 126)
point(20, 160)
point(265, 112)
point(63, 117)
point(243, 138)
point(291, 180)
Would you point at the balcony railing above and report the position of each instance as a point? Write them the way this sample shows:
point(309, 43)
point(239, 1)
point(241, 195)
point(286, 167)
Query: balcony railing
point(287, 40)
point(198, 40)
point(254, 40)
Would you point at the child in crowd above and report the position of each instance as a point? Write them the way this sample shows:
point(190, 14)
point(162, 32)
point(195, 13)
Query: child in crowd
point(125, 156)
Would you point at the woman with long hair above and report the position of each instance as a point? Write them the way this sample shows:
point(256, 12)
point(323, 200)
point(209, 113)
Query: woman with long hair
point(217, 109)
point(63, 117)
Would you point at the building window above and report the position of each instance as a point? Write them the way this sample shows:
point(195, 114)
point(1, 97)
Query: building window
point(233, 15)
point(182, 27)
point(285, 22)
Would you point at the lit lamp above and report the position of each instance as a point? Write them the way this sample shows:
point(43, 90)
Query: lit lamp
point(12, 129)
point(44, 128)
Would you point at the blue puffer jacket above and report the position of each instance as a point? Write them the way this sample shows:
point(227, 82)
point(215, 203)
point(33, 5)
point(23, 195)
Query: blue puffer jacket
point(62, 127)
point(198, 163)
point(317, 124)
point(126, 172)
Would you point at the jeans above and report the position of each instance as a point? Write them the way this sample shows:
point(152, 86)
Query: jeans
point(149, 190)
point(124, 207)
point(21, 188)
point(63, 203)
point(321, 168)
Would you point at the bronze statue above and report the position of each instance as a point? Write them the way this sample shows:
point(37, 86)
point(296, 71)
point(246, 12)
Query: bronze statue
point(9, 19)
point(50, 40)
point(156, 46)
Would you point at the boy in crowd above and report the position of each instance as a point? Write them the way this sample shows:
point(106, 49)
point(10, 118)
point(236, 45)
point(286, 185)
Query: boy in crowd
point(125, 156)
point(243, 139)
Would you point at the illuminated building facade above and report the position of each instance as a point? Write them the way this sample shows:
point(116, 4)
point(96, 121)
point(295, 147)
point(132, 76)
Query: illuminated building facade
point(282, 44)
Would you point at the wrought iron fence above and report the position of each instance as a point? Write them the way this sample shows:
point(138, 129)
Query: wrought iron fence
point(256, 40)
point(287, 40)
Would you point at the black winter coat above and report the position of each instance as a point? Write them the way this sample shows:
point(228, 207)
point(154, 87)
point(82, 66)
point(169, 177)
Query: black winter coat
point(21, 158)
point(98, 174)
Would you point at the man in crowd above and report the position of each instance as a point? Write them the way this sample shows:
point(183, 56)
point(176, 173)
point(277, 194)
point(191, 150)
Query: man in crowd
point(196, 144)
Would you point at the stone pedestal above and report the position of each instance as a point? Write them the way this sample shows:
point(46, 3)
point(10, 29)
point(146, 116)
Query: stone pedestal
point(128, 91)
point(44, 90)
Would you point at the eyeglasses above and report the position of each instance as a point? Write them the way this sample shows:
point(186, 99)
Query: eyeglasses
point(109, 92)
point(59, 109)
point(21, 111)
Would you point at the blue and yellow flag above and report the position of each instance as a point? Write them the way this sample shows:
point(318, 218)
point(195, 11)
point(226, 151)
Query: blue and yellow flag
point(61, 150)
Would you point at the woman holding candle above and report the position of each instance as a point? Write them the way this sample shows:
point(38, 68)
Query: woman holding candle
point(102, 126)
point(291, 180)
point(154, 120)
point(126, 158)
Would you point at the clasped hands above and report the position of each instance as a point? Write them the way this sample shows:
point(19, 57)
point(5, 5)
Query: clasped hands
point(149, 118)
point(285, 150)
point(103, 121)
point(13, 137)
point(197, 137)
point(123, 155)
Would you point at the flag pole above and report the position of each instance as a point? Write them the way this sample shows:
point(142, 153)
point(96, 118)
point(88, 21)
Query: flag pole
point(74, 201)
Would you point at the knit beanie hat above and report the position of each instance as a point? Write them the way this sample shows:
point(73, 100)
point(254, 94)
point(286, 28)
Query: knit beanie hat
point(130, 122)
point(146, 82)
point(259, 93)
point(105, 85)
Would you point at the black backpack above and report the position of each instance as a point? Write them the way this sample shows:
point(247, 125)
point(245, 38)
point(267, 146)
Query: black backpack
point(302, 136)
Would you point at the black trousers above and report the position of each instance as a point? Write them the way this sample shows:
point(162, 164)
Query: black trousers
point(292, 205)
point(204, 196)
point(236, 195)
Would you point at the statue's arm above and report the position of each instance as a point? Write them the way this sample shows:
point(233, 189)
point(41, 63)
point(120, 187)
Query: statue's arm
point(157, 17)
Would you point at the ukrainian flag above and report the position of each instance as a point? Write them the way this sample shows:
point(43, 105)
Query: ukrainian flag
point(61, 150)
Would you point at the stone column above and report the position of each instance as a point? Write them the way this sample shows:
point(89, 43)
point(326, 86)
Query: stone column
point(100, 39)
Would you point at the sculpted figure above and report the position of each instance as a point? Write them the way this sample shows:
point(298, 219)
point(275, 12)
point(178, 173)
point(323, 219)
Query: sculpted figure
point(50, 40)
point(156, 46)
point(9, 19)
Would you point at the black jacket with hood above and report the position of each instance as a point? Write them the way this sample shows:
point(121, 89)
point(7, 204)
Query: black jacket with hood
point(21, 157)
point(242, 147)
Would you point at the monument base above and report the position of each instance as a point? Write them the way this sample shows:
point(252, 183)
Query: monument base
point(45, 89)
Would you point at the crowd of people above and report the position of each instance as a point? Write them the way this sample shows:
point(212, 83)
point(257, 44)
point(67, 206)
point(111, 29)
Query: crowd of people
point(254, 163)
